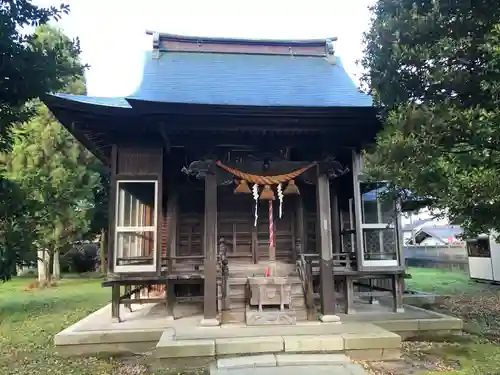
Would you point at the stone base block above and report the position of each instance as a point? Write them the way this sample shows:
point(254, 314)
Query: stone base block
point(440, 324)
point(330, 319)
point(209, 323)
point(304, 344)
point(185, 348)
point(371, 340)
point(249, 345)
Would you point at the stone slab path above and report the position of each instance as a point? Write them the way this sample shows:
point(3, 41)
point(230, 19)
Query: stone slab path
point(287, 364)
point(297, 370)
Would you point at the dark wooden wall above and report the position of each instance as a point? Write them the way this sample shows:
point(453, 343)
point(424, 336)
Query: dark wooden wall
point(235, 223)
point(139, 161)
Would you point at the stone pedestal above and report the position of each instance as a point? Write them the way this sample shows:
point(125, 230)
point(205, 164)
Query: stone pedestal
point(274, 292)
point(270, 291)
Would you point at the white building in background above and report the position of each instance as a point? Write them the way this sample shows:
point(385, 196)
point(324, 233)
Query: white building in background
point(424, 215)
point(423, 228)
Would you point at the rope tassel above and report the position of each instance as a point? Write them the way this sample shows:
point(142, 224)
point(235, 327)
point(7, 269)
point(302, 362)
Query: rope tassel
point(280, 198)
point(255, 193)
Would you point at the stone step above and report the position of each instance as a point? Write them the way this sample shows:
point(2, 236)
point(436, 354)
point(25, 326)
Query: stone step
point(359, 333)
point(241, 293)
point(242, 280)
point(357, 341)
point(272, 360)
point(335, 369)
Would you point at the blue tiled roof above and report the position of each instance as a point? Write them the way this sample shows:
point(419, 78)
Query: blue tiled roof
point(103, 101)
point(240, 79)
point(245, 79)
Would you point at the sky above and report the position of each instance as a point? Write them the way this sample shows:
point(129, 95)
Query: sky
point(113, 39)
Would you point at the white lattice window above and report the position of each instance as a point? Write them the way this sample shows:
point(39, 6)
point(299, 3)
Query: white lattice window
point(136, 226)
point(377, 221)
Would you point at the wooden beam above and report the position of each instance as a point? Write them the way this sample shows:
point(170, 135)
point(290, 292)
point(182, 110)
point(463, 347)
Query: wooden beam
point(210, 247)
point(324, 232)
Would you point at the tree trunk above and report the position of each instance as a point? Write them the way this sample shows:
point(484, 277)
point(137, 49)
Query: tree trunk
point(42, 266)
point(102, 252)
point(56, 268)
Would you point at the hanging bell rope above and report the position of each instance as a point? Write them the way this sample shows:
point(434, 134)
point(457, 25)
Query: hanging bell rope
point(265, 180)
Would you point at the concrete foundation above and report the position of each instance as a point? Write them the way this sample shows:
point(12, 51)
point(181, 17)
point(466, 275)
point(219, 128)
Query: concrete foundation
point(374, 333)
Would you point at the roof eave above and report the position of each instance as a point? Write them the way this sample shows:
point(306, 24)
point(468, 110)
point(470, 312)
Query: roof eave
point(220, 40)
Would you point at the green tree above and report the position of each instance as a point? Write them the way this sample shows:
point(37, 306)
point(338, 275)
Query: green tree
point(46, 169)
point(16, 229)
point(57, 175)
point(31, 67)
point(435, 68)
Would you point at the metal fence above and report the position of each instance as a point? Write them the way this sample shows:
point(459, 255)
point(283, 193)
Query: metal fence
point(450, 257)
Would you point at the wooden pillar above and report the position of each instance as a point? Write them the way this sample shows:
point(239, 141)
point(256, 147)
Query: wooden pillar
point(349, 295)
point(373, 300)
point(301, 224)
point(324, 231)
point(171, 217)
point(397, 293)
point(336, 239)
point(112, 202)
point(170, 296)
point(115, 303)
point(128, 295)
point(210, 246)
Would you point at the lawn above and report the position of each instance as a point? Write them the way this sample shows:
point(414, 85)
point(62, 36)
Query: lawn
point(30, 319)
point(443, 282)
point(476, 352)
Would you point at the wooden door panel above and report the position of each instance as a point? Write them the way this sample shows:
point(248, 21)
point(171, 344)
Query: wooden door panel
point(236, 225)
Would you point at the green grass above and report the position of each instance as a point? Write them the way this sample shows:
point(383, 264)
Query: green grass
point(478, 305)
point(30, 319)
point(473, 355)
point(443, 282)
